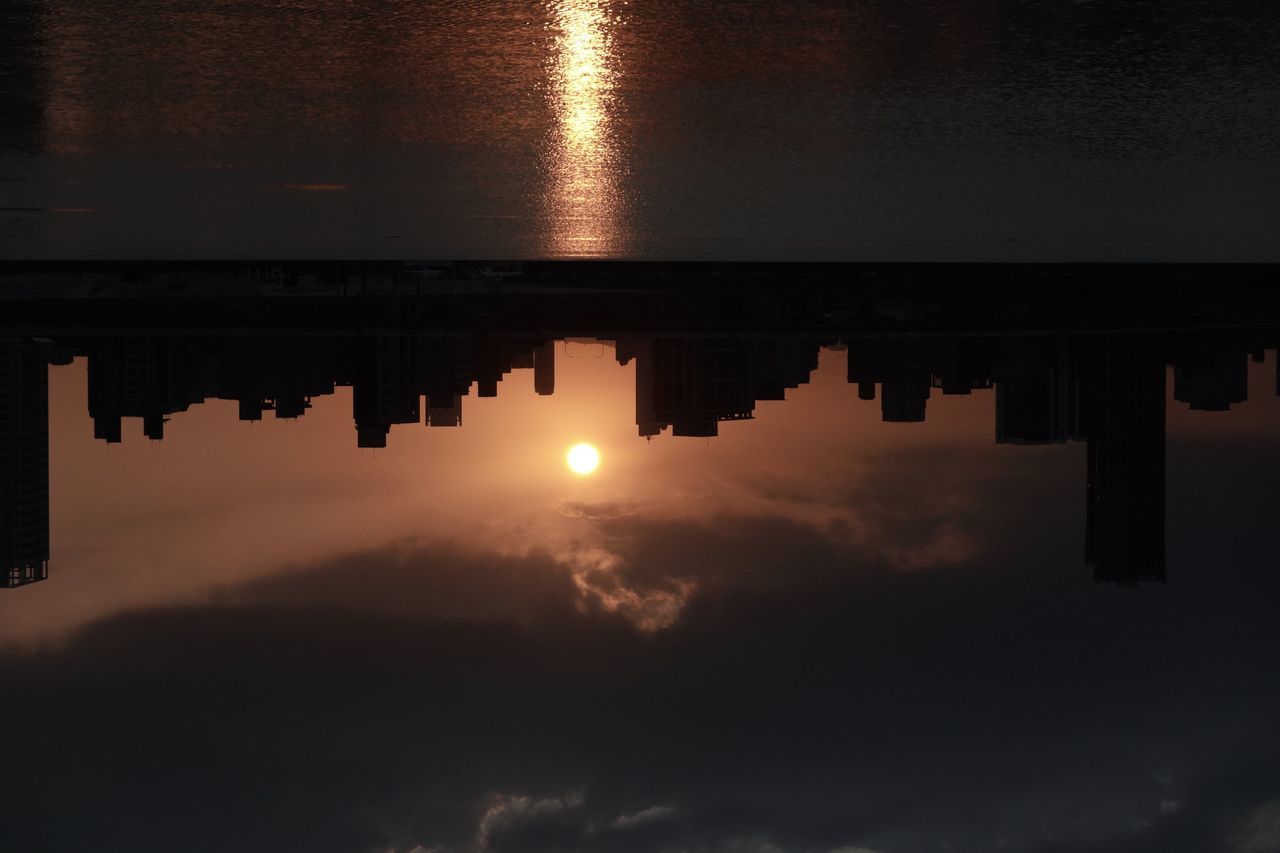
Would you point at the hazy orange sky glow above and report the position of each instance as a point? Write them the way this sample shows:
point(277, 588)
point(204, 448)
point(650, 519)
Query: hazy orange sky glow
point(231, 501)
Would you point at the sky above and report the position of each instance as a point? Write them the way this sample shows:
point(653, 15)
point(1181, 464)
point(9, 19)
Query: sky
point(815, 632)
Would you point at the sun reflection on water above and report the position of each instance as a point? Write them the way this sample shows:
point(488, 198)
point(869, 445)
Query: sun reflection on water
point(584, 199)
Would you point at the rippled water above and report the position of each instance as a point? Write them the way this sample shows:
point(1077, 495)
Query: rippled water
point(725, 129)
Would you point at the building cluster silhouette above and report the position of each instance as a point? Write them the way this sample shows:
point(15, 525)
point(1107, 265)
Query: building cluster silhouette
point(691, 384)
point(24, 461)
point(1107, 390)
point(153, 377)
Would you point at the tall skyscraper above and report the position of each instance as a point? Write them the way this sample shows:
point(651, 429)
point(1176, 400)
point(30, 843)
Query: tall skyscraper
point(1125, 530)
point(544, 368)
point(24, 462)
point(904, 395)
point(1032, 389)
point(444, 376)
point(640, 349)
point(385, 391)
point(1031, 407)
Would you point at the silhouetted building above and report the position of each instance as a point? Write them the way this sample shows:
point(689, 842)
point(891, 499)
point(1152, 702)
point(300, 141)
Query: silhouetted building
point(904, 395)
point(385, 391)
point(691, 385)
point(961, 366)
point(288, 408)
point(493, 360)
point(1125, 531)
point(153, 425)
point(105, 392)
point(444, 376)
point(1027, 411)
point(640, 349)
point(1032, 394)
point(279, 373)
point(901, 368)
point(1211, 380)
point(864, 367)
point(544, 368)
point(24, 462)
point(449, 414)
point(251, 409)
point(778, 365)
point(145, 377)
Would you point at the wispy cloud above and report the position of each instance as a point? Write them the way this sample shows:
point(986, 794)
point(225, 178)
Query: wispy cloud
point(653, 814)
point(507, 810)
point(597, 574)
point(603, 511)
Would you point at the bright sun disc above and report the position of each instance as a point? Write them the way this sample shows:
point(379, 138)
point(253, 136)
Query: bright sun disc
point(583, 459)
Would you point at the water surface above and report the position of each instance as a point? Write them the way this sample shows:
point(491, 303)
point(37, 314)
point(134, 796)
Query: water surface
point(742, 129)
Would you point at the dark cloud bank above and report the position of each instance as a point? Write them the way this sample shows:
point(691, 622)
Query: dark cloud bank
point(809, 698)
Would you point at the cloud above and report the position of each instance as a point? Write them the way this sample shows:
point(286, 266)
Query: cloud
point(448, 581)
point(877, 508)
point(603, 511)
point(653, 814)
point(507, 812)
point(1260, 831)
point(809, 697)
point(601, 582)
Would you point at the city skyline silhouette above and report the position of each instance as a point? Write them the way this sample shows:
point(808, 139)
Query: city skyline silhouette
point(1103, 388)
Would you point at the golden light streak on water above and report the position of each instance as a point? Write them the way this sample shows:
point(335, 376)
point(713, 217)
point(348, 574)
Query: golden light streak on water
point(584, 207)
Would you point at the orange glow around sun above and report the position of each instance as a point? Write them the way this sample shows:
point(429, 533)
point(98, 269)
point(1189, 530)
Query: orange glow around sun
point(583, 459)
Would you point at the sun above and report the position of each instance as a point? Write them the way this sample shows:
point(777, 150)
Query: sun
point(583, 459)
